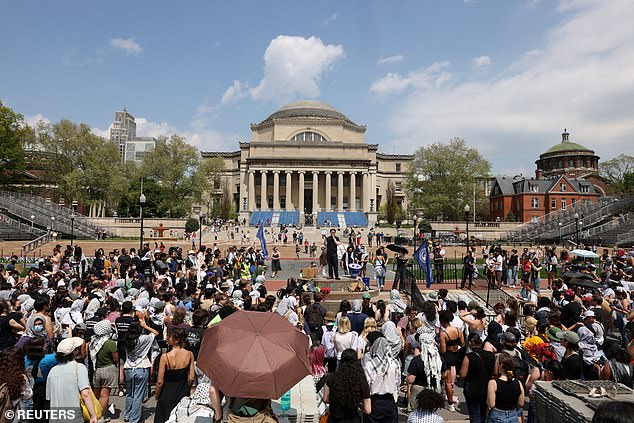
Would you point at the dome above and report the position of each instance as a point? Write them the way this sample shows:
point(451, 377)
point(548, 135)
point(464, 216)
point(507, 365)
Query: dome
point(307, 109)
point(566, 146)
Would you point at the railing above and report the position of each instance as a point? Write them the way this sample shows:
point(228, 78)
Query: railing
point(36, 243)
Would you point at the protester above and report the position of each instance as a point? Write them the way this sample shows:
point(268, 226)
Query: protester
point(346, 390)
point(505, 395)
point(382, 371)
point(105, 360)
point(137, 368)
point(428, 403)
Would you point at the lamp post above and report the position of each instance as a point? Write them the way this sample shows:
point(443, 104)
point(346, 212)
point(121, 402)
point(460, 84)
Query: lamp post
point(559, 232)
point(72, 228)
point(32, 219)
point(52, 223)
point(142, 200)
point(466, 219)
point(577, 228)
point(414, 238)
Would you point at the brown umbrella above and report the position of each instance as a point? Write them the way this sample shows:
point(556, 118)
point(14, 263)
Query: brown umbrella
point(254, 355)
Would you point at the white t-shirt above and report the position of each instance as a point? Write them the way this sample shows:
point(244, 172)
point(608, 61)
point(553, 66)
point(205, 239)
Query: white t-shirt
point(499, 261)
point(345, 341)
point(63, 385)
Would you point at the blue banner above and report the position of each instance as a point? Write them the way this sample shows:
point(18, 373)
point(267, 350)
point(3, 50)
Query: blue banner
point(260, 236)
point(422, 257)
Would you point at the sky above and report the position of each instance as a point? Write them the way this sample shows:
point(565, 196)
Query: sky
point(506, 75)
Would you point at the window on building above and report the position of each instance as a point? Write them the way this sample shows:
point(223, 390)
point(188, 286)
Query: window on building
point(553, 203)
point(563, 204)
point(398, 186)
point(562, 187)
point(574, 201)
point(585, 189)
point(308, 136)
point(533, 188)
point(398, 167)
point(535, 203)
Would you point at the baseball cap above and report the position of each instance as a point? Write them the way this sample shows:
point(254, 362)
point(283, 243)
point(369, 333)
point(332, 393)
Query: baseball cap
point(366, 296)
point(570, 336)
point(569, 293)
point(588, 313)
point(507, 337)
point(68, 345)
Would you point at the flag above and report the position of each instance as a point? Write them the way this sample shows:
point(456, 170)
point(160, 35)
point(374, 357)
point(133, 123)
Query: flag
point(260, 236)
point(422, 257)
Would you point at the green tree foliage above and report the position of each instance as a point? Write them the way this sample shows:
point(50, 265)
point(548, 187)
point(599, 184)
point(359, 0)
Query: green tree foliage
point(85, 166)
point(226, 201)
point(619, 172)
point(192, 225)
point(12, 133)
point(176, 167)
point(443, 177)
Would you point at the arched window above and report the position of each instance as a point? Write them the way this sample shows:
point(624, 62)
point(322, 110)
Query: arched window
point(309, 136)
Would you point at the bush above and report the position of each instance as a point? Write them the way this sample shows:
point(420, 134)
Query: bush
point(192, 225)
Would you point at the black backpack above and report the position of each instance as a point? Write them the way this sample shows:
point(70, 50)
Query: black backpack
point(522, 365)
point(314, 318)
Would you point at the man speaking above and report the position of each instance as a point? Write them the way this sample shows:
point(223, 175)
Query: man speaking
point(331, 242)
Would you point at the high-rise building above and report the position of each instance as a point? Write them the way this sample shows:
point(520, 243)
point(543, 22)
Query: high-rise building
point(123, 130)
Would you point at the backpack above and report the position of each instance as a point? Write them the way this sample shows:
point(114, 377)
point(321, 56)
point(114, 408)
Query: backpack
point(522, 365)
point(314, 318)
point(328, 341)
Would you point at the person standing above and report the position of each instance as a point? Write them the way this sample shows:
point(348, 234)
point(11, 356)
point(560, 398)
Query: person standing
point(275, 262)
point(512, 268)
point(439, 264)
point(346, 390)
point(332, 242)
point(476, 371)
point(505, 395)
point(467, 270)
point(382, 371)
point(105, 359)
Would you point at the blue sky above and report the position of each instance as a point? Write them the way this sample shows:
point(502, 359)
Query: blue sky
point(507, 76)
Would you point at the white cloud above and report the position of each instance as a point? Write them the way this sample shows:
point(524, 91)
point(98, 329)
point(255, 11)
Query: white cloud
point(146, 128)
point(236, 92)
point(128, 45)
point(481, 61)
point(293, 66)
point(105, 133)
point(34, 120)
point(390, 59)
point(582, 78)
point(394, 83)
point(330, 19)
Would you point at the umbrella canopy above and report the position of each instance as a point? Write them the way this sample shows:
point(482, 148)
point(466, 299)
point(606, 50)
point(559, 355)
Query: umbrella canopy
point(572, 274)
point(254, 355)
point(397, 248)
point(584, 253)
point(585, 282)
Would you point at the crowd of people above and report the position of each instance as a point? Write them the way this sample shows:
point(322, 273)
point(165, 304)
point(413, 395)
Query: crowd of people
point(75, 330)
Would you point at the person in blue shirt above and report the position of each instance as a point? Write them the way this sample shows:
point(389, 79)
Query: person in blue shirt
point(38, 364)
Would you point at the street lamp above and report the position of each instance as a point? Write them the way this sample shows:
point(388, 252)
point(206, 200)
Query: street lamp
point(52, 223)
point(577, 228)
point(466, 218)
point(72, 228)
point(559, 232)
point(32, 219)
point(414, 240)
point(142, 200)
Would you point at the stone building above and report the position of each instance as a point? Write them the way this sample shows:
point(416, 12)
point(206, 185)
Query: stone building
point(308, 163)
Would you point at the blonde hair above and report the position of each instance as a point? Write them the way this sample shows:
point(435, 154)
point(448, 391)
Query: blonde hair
point(343, 325)
point(368, 326)
point(416, 323)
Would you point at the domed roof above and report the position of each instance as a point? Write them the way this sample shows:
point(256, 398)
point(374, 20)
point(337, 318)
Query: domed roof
point(307, 109)
point(565, 146)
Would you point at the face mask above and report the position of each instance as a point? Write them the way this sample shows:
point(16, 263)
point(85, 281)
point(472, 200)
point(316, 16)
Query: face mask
point(38, 329)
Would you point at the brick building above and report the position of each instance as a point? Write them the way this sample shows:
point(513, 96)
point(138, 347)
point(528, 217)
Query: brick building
point(566, 175)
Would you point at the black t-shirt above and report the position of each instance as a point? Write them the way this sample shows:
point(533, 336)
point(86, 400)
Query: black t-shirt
point(122, 323)
point(194, 339)
point(481, 365)
point(513, 260)
point(340, 413)
point(417, 369)
point(90, 327)
point(7, 338)
point(506, 394)
point(571, 313)
point(331, 245)
point(572, 367)
point(124, 263)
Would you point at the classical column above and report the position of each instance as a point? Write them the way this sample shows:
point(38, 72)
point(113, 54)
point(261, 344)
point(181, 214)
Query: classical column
point(264, 202)
point(251, 192)
point(289, 178)
point(366, 193)
point(373, 192)
point(352, 203)
point(276, 190)
point(315, 191)
point(339, 191)
point(301, 192)
point(328, 205)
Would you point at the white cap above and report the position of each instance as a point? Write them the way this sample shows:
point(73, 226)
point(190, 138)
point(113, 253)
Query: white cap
point(68, 345)
point(588, 313)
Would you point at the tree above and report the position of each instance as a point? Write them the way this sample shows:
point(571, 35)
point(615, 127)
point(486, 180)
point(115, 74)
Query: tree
point(390, 202)
point(510, 217)
point(619, 172)
point(175, 166)
point(443, 178)
point(192, 225)
point(84, 166)
point(226, 201)
point(12, 133)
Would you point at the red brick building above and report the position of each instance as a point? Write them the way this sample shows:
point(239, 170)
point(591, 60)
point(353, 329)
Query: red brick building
point(566, 175)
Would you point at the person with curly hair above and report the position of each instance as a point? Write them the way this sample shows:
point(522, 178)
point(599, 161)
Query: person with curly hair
point(13, 375)
point(428, 402)
point(346, 389)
